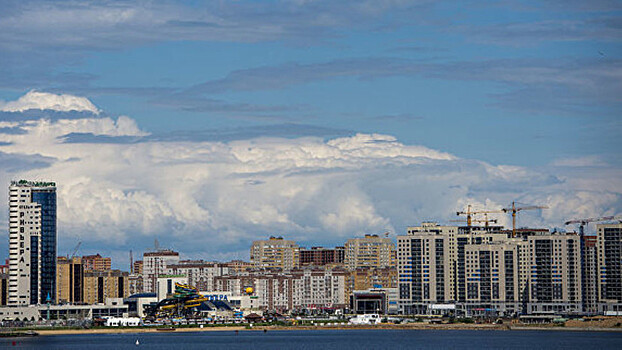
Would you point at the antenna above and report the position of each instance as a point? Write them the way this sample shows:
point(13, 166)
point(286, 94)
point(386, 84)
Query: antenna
point(156, 244)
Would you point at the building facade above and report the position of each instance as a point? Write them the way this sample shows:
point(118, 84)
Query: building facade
point(552, 266)
point(492, 278)
point(101, 285)
point(200, 274)
point(69, 280)
point(319, 256)
point(275, 252)
point(483, 272)
point(369, 251)
point(96, 263)
point(609, 244)
point(366, 278)
point(589, 273)
point(426, 267)
point(155, 264)
point(307, 288)
point(32, 242)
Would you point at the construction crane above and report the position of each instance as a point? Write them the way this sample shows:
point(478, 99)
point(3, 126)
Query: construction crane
point(469, 213)
point(583, 222)
point(485, 220)
point(75, 250)
point(514, 210)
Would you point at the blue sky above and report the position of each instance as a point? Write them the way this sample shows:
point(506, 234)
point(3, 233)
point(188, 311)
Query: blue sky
point(529, 84)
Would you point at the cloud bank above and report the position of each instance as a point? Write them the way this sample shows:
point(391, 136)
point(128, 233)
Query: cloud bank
point(211, 198)
point(47, 101)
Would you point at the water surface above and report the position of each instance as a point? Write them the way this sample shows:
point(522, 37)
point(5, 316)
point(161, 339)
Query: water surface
point(329, 339)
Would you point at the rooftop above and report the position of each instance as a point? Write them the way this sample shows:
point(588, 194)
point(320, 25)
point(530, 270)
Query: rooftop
point(26, 183)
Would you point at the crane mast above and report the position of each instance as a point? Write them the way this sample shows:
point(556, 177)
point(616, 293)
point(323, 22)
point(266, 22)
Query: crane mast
point(514, 210)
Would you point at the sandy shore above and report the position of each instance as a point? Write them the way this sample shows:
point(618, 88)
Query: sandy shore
point(135, 330)
point(411, 326)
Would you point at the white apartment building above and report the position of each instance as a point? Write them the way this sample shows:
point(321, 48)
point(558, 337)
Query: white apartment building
point(155, 264)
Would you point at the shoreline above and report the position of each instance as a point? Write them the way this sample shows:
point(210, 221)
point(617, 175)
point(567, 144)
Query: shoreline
point(471, 327)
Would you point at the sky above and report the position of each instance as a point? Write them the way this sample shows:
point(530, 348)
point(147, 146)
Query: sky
point(208, 124)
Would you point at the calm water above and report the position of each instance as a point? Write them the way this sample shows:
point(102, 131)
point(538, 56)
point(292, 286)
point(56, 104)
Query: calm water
point(326, 339)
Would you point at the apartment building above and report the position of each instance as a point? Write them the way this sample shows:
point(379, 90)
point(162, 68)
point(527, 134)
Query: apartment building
point(275, 253)
point(32, 242)
point(69, 280)
point(199, 273)
point(156, 263)
point(609, 245)
point(100, 285)
point(369, 251)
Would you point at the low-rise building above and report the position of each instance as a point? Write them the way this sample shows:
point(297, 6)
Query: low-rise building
point(200, 274)
point(308, 288)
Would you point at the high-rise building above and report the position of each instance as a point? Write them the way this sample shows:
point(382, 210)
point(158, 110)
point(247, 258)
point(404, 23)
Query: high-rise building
point(96, 263)
point(275, 252)
point(589, 273)
point(487, 271)
point(101, 285)
point(155, 263)
point(426, 266)
point(138, 267)
point(492, 278)
point(32, 242)
point(609, 242)
point(4, 289)
point(552, 266)
point(369, 251)
point(69, 280)
point(319, 256)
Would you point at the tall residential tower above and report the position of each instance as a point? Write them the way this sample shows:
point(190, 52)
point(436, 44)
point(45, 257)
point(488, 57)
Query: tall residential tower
point(32, 242)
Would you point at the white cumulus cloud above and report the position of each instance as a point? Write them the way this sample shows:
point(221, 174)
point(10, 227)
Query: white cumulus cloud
point(210, 199)
point(48, 101)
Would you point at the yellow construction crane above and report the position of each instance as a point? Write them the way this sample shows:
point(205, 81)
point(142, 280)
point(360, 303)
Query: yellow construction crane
point(514, 210)
point(485, 220)
point(583, 222)
point(469, 213)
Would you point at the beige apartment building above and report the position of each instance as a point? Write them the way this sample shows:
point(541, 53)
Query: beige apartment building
point(488, 271)
point(100, 285)
point(275, 252)
point(369, 251)
point(551, 273)
point(609, 246)
point(69, 280)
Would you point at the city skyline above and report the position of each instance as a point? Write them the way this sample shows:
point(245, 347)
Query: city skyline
point(209, 125)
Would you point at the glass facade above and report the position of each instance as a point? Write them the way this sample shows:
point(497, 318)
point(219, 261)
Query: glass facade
point(46, 197)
